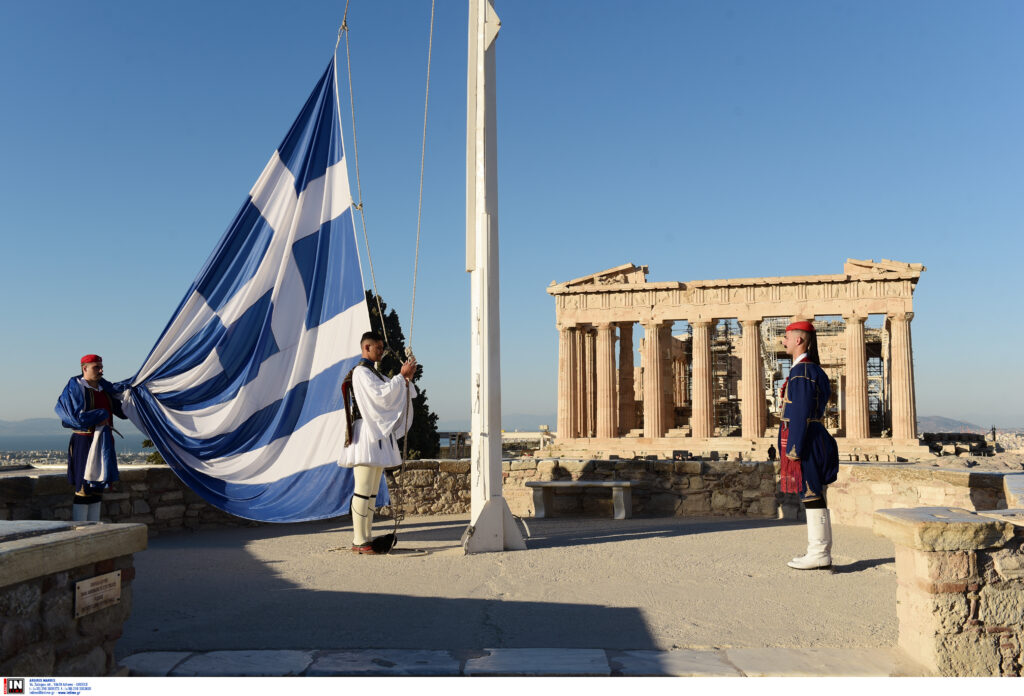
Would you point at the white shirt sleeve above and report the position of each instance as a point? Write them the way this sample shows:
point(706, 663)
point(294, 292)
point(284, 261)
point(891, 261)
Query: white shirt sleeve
point(386, 406)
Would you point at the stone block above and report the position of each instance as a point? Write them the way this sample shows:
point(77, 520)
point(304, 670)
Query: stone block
point(931, 568)
point(454, 466)
point(692, 467)
point(52, 484)
point(930, 614)
point(417, 478)
point(58, 613)
point(940, 529)
point(169, 512)
point(1009, 564)
point(695, 504)
point(716, 468)
point(661, 503)
point(697, 483)
point(545, 470)
point(140, 507)
point(91, 664)
point(15, 488)
point(36, 659)
point(193, 498)
point(768, 506)
point(1001, 604)
point(21, 600)
point(172, 497)
point(1013, 490)
point(161, 479)
point(724, 502)
point(133, 476)
point(967, 654)
point(517, 465)
point(17, 634)
point(54, 583)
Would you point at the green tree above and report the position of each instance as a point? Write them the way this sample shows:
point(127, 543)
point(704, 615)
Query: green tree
point(424, 441)
point(152, 457)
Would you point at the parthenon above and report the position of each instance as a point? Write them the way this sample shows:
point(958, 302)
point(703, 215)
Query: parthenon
point(711, 361)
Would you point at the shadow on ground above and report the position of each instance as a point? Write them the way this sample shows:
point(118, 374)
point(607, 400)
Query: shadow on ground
point(206, 591)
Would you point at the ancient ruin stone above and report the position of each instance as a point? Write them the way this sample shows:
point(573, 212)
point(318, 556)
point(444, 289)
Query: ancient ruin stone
point(1002, 604)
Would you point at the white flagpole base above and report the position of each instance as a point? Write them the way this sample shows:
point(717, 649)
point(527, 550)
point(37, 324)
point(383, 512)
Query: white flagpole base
point(495, 529)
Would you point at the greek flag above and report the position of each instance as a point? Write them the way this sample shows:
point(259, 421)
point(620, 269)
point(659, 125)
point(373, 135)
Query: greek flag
point(241, 393)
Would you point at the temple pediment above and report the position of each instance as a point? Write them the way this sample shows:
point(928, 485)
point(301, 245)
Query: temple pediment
point(626, 274)
point(854, 267)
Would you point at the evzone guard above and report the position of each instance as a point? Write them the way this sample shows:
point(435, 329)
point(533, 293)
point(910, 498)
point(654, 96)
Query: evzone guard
point(377, 413)
point(809, 455)
point(86, 407)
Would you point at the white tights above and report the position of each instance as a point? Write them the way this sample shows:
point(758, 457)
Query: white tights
point(367, 483)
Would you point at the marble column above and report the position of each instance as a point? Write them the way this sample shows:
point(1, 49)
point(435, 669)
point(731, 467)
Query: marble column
point(667, 402)
point(753, 414)
point(654, 410)
point(702, 420)
point(580, 411)
point(627, 402)
point(566, 382)
point(590, 358)
point(856, 397)
point(607, 404)
point(904, 410)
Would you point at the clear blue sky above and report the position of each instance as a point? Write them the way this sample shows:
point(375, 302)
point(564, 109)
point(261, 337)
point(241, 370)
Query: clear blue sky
point(704, 139)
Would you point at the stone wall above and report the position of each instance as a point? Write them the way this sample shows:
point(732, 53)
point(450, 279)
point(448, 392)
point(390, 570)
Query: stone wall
point(39, 634)
point(862, 488)
point(433, 487)
point(675, 488)
point(960, 588)
point(155, 497)
point(691, 488)
point(151, 495)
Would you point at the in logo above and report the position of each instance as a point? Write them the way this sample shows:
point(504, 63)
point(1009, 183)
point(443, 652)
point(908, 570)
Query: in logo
point(14, 685)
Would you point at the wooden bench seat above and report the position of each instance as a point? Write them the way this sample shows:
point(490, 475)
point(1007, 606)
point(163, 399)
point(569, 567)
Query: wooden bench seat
point(622, 495)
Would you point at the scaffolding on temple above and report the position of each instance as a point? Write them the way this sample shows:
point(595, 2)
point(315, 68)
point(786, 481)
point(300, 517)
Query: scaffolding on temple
point(776, 364)
point(724, 372)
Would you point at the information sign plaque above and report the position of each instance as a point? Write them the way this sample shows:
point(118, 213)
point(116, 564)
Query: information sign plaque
point(97, 593)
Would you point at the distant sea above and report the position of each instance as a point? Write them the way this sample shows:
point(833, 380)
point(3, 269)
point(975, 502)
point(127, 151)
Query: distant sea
point(132, 442)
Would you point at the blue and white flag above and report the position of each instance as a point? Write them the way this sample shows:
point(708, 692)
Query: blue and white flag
point(241, 393)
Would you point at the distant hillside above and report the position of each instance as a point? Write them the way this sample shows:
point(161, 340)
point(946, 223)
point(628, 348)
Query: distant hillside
point(528, 422)
point(31, 426)
point(51, 426)
point(938, 424)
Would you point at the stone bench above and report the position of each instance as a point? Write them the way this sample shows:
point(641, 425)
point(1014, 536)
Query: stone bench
point(622, 495)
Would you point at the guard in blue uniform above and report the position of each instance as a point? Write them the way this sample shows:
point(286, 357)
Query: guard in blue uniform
point(806, 446)
point(86, 407)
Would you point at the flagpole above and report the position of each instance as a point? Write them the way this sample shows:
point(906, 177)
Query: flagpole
point(491, 527)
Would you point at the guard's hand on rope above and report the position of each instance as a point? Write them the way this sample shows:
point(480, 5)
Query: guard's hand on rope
point(409, 368)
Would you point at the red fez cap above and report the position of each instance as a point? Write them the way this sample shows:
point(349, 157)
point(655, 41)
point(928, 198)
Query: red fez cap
point(91, 357)
point(801, 326)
